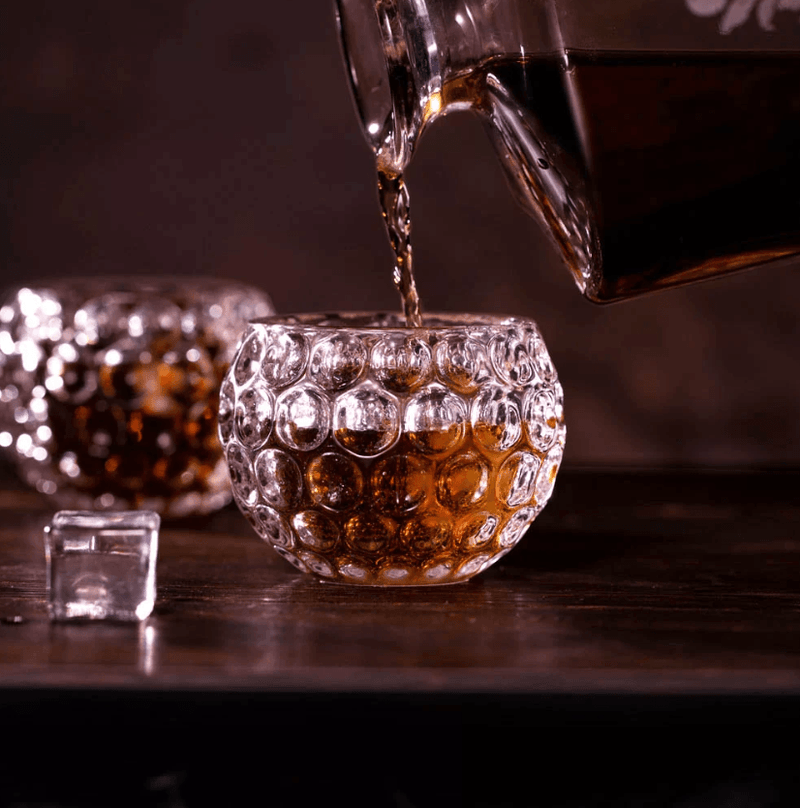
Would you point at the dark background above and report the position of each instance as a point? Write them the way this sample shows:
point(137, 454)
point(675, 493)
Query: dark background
point(219, 138)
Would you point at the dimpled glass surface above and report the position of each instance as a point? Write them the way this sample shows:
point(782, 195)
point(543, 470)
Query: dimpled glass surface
point(368, 453)
point(109, 390)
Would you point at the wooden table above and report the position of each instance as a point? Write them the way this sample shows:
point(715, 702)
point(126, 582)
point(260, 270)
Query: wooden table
point(640, 604)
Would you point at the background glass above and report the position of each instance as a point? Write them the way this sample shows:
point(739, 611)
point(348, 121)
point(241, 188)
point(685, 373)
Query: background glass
point(109, 389)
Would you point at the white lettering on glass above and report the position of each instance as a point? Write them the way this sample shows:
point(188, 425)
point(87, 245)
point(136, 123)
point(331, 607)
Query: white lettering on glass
point(733, 13)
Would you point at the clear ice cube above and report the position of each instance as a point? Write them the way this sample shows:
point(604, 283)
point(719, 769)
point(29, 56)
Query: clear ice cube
point(101, 566)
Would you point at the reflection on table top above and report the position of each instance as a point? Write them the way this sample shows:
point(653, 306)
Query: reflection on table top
point(630, 582)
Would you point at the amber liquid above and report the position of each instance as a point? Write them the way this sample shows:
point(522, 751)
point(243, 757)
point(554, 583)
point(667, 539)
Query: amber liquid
point(145, 435)
point(690, 163)
point(432, 509)
point(648, 169)
point(395, 208)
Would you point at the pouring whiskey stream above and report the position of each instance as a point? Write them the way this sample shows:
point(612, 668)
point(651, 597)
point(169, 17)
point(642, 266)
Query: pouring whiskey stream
point(658, 143)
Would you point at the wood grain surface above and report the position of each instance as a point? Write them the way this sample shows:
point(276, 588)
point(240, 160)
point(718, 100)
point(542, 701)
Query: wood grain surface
point(647, 620)
point(630, 582)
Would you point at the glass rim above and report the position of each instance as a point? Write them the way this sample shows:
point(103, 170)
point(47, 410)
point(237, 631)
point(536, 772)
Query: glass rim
point(381, 321)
